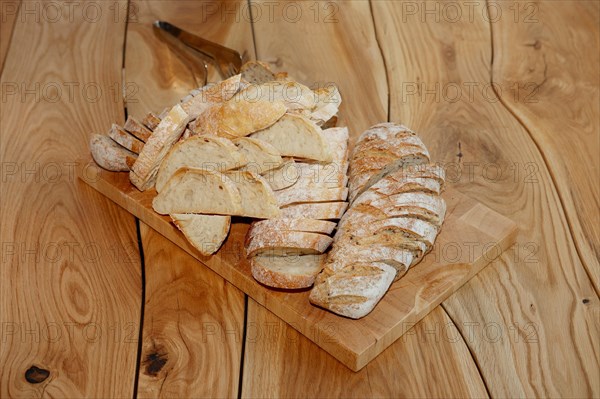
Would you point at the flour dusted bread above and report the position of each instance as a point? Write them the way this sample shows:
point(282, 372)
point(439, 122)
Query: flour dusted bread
point(200, 152)
point(118, 134)
point(284, 176)
point(205, 232)
point(297, 136)
point(327, 104)
point(287, 272)
point(288, 224)
point(110, 155)
point(214, 93)
point(257, 72)
point(139, 130)
point(294, 95)
point(393, 221)
point(316, 210)
point(285, 242)
point(238, 117)
point(198, 191)
point(258, 200)
point(293, 195)
point(169, 130)
point(261, 156)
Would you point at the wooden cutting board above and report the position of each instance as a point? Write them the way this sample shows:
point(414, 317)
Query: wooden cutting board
point(472, 236)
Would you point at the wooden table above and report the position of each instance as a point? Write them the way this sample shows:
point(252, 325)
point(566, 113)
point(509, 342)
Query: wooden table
point(96, 304)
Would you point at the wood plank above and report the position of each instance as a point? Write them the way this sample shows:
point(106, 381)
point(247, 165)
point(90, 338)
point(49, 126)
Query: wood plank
point(159, 72)
point(534, 296)
point(70, 276)
point(193, 319)
point(9, 10)
point(558, 102)
point(472, 236)
point(430, 360)
point(193, 326)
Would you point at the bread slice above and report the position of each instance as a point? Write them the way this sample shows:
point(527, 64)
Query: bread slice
point(317, 210)
point(261, 155)
point(431, 208)
point(318, 175)
point(352, 290)
point(198, 191)
point(284, 243)
point(205, 232)
point(293, 196)
point(287, 272)
point(211, 94)
point(118, 134)
point(238, 117)
point(137, 129)
point(297, 136)
point(144, 171)
point(257, 72)
point(284, 176)
point(258, 200)
point(200, 152)
point(110, 155)
point(294, 95)
point(287, 224)
point(344, 252)
point(328, 101)
point(338, 137)
point(151, 121)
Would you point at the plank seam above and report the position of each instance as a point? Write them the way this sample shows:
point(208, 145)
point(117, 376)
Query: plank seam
point(242, 358)
point(586, 267)
point(477, 365)
point(12, 33)
point(142, 309)
point(385, 66)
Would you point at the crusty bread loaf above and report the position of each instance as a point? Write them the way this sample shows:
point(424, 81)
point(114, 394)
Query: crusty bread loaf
point(257, 72)
point(285, 243)
point(287, 224)
point(110, 155)
point(205, 232)
point(421, 205)
point(138, 129)
point(200, 152)
point(352, 290)
point(284, 176)
point(261, 156)
point(297, 136)
point(317, 210)
point(286, 272)
point(118, 134)
point(258, 200)
point(198, 191)
point(238, 117)
point(169, 130)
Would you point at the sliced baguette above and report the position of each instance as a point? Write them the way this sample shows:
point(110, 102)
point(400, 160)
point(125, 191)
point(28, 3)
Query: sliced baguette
point(287, 272)
point(110, 155)
point(317, 175)
point(293, 196)
point(138, 129)
point(400, 258)
point(317, 210)
point(284, 243)
point(261, 155)
point(238, 118)
point(198, 191)
point(200, 152)
point(205, 232)
point(118, 134)
point(352, 290)
point(431, 208)
point(287, 224)
point(258, 200)
point(144, 171)
point(297, 136)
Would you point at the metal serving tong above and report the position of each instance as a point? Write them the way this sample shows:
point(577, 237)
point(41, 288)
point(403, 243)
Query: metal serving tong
point(227, 61)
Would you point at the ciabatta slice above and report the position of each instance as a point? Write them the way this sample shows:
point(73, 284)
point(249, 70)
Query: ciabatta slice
point(287, 224)
point(198, 191)
point(292, 195)
point(200, 152)
point(261, 155)
point(287, 272)
point(118, 134)
point(238, 118)
point(258, 200)
point(110, 155)
point(211, 94)
point(297, 136)
point(317, 210)
point(138, 129)
point(284, 243)
point(284, 176)
point(205, 232)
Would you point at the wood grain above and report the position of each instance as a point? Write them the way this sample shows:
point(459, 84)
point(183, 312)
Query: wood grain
point(557, 100)
point(9, 10)
point(193, 319)
point(159, 71)
point(193, 326)
point(540, 291)
point(70, 275)
point(430, 360)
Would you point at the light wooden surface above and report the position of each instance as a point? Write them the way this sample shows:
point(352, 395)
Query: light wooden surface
point(472, 236)
point(9, 10)
point(540, 297)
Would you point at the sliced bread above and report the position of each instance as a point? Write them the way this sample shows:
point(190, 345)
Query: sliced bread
point(284, 243)
point(261, 155)
point(287, 272)
point(258, 200)
point(257, 72)
point(137, 129)
point(284, 176)
point(205, 232)
point(287, 224)
point(110, 155)
point(294, 95)
point(118, 134)
point(317, 210)
point(292, 195)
